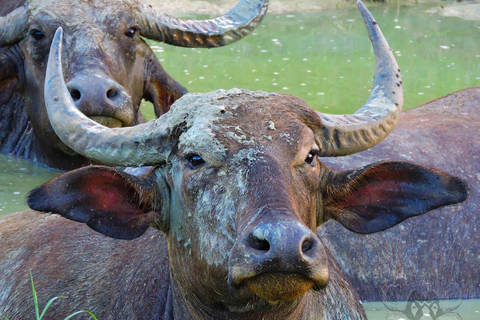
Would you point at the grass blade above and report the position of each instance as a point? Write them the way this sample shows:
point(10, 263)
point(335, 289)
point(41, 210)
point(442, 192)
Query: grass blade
point(35, 299)
point(48, 306)
point(81, 311)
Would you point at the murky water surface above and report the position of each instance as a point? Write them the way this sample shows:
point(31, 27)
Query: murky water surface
point(324, 58)
point(18, 177)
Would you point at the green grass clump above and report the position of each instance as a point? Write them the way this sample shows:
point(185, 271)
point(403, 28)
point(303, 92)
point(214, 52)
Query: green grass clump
point(39, 316)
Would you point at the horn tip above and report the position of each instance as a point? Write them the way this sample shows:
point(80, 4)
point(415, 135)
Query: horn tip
point(367, 16)
point(59, 32)
point(56, 46)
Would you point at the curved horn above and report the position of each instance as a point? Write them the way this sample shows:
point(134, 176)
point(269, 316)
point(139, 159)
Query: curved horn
point(348, 134)
point(221, 31)
point(13, 26)
point(131, 146)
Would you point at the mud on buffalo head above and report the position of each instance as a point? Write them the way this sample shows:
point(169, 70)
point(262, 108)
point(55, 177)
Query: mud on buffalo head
point(238, 186)
point(109, 68)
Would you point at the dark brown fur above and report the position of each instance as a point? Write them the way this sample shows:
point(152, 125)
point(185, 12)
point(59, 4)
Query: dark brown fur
point(436, 253)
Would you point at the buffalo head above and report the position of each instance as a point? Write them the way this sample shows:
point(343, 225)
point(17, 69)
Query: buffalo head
point(238, 187)
point(109, 68)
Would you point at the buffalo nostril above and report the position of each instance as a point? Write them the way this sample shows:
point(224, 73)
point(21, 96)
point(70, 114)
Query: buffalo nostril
point(111, 93)
point(258, 244)
point(307, 245)
point(75, 94)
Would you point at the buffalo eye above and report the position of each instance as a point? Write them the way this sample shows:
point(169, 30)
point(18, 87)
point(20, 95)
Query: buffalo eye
point(37, 34)
point(194, 161)
point(131, 32)
point(310, 159)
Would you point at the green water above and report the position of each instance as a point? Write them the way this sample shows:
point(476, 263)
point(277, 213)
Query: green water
point(18, 177)
point(326, 58)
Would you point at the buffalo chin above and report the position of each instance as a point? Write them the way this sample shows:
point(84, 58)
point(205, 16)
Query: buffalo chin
point(279, 287)
point(107, 121)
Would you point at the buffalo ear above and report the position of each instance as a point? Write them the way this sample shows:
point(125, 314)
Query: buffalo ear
point(161, 89)
point(382, 195)
point(112, 202)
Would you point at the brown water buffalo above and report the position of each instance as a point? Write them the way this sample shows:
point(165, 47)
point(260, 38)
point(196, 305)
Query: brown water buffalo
point(109, 68)
point(239, 191)
point(436, 255)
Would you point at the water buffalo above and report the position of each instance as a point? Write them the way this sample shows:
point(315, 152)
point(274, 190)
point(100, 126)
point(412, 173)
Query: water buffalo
point(436, 255)
point(109, 67)
point(238, 189)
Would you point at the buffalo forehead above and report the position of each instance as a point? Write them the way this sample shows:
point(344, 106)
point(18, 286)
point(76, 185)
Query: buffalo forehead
point(201, 115)
point(227, 121)
point(72, 12)
point(98, 4)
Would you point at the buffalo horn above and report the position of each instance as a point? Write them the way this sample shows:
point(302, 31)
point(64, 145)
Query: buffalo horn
point(347, 134)
point(221, 31)
point(13, 26)
point(130, 146)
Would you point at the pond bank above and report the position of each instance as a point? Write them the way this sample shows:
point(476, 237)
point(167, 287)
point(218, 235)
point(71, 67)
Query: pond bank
point(469, 10)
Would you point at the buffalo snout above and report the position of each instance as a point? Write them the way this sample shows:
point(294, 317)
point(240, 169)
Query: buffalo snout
point(102, 99)
point(278, 260)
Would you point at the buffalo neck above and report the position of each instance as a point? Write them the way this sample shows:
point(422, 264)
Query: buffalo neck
point(16, 135)
point(17, 138)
